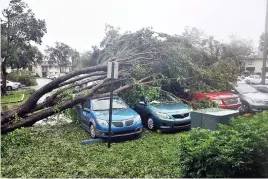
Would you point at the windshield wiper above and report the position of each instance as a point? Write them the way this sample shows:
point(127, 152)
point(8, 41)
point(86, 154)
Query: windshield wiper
point(100, 109)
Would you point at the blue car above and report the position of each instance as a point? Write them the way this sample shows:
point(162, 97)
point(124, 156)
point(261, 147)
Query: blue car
point(94, 115)
point(164, 113)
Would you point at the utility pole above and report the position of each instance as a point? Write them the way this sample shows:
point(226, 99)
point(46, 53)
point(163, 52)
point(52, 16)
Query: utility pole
point(265, 46)
point(112, 73)
point(111, 106)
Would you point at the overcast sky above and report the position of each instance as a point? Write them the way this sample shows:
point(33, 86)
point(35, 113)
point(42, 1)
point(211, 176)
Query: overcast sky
point(81, 23)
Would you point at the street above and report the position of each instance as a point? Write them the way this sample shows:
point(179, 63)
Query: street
point(40, 82)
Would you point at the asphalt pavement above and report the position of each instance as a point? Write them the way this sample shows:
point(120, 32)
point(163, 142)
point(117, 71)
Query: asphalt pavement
point(40, 83)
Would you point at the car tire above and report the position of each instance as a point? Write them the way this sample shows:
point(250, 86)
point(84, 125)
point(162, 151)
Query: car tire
point(247, 81)
point(92, 131)
point(187, 128)
point(53, 78)
point(150, 123)
point(246, 107)
point(9, 88)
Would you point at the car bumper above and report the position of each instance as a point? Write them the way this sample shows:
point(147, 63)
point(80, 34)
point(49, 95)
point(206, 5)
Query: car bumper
point(258, 108)
point(235, 106)
point(175, 124)
point(104, 134)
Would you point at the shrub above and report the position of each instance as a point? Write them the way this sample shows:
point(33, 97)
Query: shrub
point(239, 150)
point(22, 76)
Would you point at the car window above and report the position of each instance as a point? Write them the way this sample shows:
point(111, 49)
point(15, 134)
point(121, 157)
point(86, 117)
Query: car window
point(262, 89)
point(244, 88)
point(86, 105)
point(104, 104)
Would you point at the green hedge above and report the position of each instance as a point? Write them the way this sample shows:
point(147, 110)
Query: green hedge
point(22, 76)
point(239, 150)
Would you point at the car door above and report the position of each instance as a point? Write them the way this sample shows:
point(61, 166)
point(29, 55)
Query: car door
point(86, 114)
point(251, 79)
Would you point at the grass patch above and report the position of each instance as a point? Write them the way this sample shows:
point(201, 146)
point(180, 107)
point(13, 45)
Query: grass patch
point(26, 93)
point(56, 152)
point(12, 97)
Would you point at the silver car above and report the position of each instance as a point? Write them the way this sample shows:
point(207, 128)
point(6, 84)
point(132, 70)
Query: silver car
point(252, 100)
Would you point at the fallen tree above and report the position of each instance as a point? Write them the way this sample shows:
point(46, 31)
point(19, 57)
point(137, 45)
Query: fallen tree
point(56, 101)
point(145, 57)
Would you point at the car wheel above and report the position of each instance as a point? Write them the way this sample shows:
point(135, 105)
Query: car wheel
point(245, 107)
point(53, 78)
point(92, 131)
point(150, 124)
point(9, 88)
point(247, 81)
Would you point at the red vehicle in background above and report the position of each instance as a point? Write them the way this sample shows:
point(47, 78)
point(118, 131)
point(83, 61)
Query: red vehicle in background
point(224, 100)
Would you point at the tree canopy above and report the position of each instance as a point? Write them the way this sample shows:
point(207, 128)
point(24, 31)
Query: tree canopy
point(19, 27)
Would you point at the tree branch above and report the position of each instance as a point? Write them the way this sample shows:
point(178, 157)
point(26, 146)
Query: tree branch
point(50, 111)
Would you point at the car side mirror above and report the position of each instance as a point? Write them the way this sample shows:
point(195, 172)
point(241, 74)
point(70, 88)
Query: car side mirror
point(143, 100)
point(233, 91)
point(86, 109)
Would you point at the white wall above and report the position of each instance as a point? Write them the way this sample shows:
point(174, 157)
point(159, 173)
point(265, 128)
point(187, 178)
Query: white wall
point(37, 70)
point(53, 70)
point(257, 63)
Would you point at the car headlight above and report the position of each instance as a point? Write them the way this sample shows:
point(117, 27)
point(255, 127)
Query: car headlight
point(102, 122)
point(163, 115)
point(137, 119)
point(217, 101)
point(258, 101)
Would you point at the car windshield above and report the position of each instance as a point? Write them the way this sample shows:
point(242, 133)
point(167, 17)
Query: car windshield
point(164, 99)
point(104, 104)
point(244, 88)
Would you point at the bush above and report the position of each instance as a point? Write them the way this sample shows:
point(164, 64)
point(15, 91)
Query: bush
point(239, 150)
point(22, 76)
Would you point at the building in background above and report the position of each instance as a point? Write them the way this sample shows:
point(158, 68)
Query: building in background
point(254, 65)
point(48, 69)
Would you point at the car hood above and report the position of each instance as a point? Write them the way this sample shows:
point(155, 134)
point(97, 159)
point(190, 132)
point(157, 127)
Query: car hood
point(117, 114)
point(171, 108)
point(220, 95)
point(257, 96)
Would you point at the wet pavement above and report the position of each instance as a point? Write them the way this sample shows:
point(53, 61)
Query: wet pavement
point(40, 83)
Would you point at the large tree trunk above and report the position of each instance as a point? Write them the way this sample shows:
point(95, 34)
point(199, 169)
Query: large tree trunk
point(4, 77)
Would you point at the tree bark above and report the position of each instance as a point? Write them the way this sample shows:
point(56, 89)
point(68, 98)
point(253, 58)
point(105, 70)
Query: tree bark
point(31, 102)
point(50, 111)
point(4, 77)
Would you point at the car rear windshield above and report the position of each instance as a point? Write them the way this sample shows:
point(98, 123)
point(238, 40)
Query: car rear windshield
point(104, 104)
point(244, 88)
